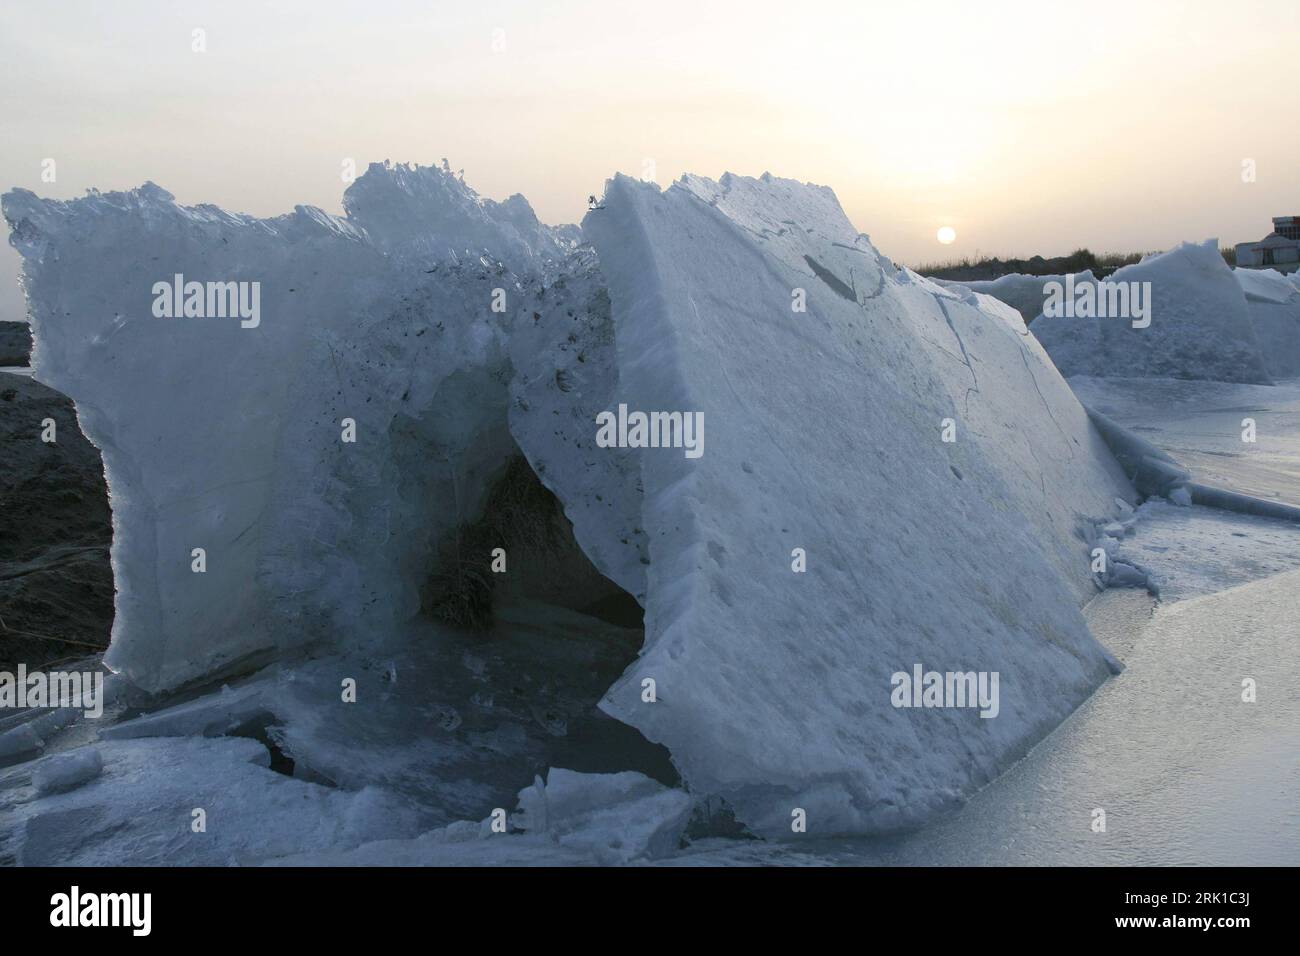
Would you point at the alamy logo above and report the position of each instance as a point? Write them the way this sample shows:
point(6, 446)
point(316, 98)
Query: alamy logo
point(103, 909)
point(923, 688)
point(1098, 300)
point(651, 430)
point(83, 689)
point(208, 300)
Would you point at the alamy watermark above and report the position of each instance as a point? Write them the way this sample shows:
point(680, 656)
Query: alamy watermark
point(1102, 299)
point(208, 300)
point(75, 908)
point(683, 430)
point(83, 689)
point(923, 688)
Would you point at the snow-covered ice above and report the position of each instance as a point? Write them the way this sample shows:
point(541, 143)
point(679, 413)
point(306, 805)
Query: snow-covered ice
point(616, 818)
point(1274, 303)
point(61, 772)
point(1200, 326)
point(574, 819)
point(20, 740)
point(140, 809)
point(227, 439)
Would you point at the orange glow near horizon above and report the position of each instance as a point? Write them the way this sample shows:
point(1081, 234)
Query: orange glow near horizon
point(1026, 128)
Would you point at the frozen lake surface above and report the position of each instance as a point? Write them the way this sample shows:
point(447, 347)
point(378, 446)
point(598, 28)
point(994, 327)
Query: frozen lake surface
point(1201, 424)
point(1195, 550)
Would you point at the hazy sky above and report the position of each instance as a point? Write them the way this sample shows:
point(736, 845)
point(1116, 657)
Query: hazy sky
point(1028, 128)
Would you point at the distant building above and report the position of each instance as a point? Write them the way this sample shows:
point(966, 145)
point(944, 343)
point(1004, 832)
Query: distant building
point(1279, 250)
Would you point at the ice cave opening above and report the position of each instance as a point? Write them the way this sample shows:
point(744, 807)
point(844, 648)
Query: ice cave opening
point(521, 547)
point(492, 678)
point(542, 633)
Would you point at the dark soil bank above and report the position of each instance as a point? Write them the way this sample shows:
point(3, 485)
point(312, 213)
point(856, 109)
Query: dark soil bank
point(15, 343)
point(56, 586)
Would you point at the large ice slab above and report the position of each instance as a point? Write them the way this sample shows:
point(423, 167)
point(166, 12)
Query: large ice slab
point(226, 434)
point(824, 433)
point(1273, 301)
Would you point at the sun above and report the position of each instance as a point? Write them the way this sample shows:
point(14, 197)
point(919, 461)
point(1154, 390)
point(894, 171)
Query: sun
point(946, 235)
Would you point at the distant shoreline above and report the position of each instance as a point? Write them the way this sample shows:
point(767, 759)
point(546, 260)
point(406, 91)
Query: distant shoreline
point(1081, 260)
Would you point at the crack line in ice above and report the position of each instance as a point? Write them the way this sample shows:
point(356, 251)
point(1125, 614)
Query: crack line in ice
point(221, 487)
point(1024, 358)
point(965, 358)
